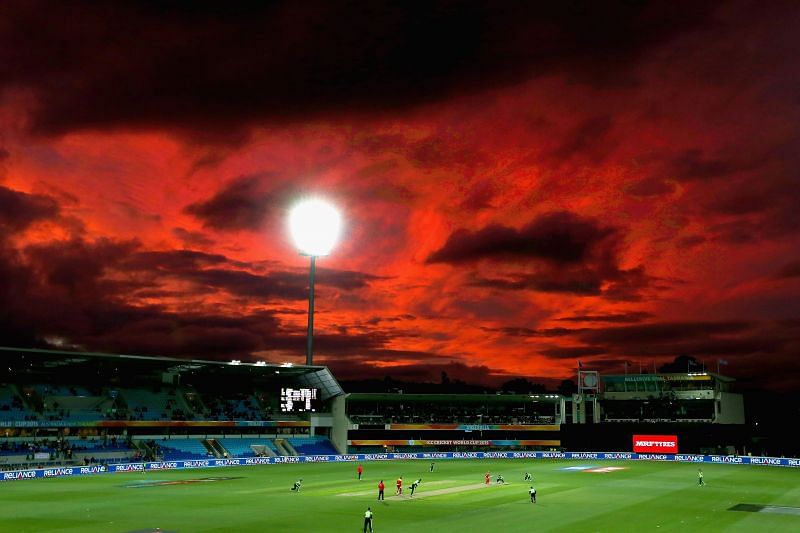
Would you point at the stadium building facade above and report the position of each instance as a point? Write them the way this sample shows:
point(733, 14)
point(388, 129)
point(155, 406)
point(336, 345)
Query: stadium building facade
point(691, 397)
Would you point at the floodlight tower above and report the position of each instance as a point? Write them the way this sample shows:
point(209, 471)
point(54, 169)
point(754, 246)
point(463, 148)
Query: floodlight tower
point(315, 225)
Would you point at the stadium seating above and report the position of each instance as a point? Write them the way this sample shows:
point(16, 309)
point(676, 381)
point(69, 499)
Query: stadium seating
point(165, 404)
point(96, 444)
point(73, 403)
point(11, 406)
point(182, 449)
point(242, 447)
point(233, 406)
point(312, 445)
point(449, 410)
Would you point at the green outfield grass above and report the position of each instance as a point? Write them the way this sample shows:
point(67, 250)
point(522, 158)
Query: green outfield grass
point(642, 497)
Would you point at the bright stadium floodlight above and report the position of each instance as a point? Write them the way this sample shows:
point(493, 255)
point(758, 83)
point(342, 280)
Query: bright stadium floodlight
point(315, 225)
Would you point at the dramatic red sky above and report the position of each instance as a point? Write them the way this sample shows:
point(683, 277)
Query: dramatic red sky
point(523, 186)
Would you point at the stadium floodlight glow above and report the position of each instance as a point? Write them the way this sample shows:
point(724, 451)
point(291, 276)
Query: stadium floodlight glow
point(315, 225)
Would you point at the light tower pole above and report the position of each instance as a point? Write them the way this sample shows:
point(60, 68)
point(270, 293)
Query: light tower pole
point(315, 225)
point(310, 333)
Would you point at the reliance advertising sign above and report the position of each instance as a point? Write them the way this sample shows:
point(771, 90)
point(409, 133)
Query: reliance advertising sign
point(655, 444)
point(660, 455)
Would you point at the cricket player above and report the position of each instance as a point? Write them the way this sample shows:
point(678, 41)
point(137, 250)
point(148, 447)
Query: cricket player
point(431, 466)
point(297, 485)
point(532, 492)
point(700, 481)
point(488, 478)
point(381, 486)
point(399, 485)
point(528, 477)
point(360, 471)
point(368, 520)
point(415, 485)
point(500, 480)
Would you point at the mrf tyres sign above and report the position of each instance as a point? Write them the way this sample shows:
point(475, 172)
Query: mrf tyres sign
point(655, 443)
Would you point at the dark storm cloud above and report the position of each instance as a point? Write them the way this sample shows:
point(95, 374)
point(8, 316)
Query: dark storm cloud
point(571, 352)
point(585, 139)
point(560, 237)
point(241, 204)
point(76, 264)
point(587, 284)
point(280, 285)
point(189, 65)
point(563, 252)
point(789, 270)
point(192, 238)
point(241, 283)
point(174, 260)
point(16, 282)
point(694, 165)
point(690, 241)
point(738, 341)
point(762, 206)
point(744, 195)
point(629, 317)
point(528, 332)
point(88, 293)
point(662, 332)
point(345, 279)
point(216, 271)
point(158, 332)
point(249, 203)
point(650, 187)
point(415, 372)
point(480, 196)
point(375, 320)
point(442, 152)
point(18, 210)
point(61, 291)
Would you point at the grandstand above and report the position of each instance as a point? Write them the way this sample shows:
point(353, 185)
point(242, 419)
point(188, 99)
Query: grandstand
point(703, 397)
point(159, 408)
point(431, 422)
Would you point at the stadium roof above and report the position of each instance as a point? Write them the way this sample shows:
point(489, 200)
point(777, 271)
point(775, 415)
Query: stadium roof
point(670, 376)
point(35, 362)
point(466, 398)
